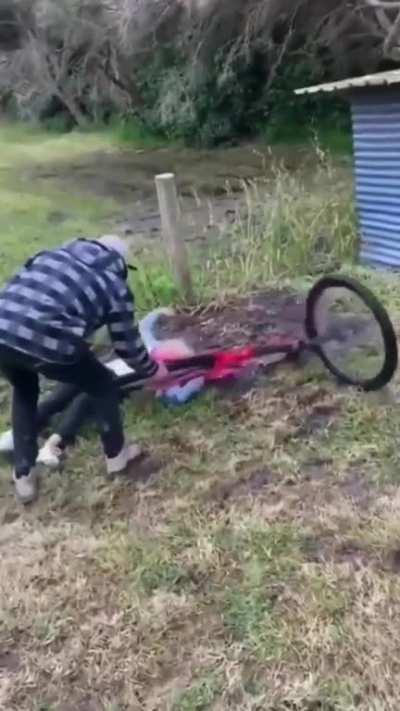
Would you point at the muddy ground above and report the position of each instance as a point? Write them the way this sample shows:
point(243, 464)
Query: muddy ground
point(238, 322)
point(210, 184)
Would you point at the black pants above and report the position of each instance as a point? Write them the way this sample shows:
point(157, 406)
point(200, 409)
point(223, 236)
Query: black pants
point(87, 375)
point(77, 408)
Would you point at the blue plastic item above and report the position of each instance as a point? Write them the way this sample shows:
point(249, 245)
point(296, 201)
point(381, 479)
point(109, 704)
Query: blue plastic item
point(181, 394)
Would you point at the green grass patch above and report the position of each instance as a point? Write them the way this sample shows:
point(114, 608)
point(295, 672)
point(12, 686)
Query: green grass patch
point(337, 141)
point(133, 133)
point(264, 559)
point(198, 697)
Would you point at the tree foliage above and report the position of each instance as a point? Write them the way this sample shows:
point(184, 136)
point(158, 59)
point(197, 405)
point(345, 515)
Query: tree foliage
point(211, 68)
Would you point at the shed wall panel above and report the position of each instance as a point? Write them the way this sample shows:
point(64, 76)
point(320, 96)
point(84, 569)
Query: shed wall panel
point(376, 135)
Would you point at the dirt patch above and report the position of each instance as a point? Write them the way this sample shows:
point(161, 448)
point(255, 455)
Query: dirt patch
point(319, 487)
point(326, 549)
point(57, 217)
point(393, 561)
point(353, 555)
point(357, 488)
point(9, 516)
point(250, 485)
point(9, 662)
point(354, 486)
point(317, 705)
point(142, 471)
point(318, 469)
point(128, 174)
point(319, 419)
point(210, 185)
point(83, 705)
point(239, 322)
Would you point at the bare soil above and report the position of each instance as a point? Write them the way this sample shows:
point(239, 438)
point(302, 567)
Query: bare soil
point(241, 321)
point(210, 184)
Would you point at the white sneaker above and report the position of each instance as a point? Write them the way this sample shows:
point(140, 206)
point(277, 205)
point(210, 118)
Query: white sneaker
point(7, 442)
point(128, 454)
point(26, 487)
point(51, 453)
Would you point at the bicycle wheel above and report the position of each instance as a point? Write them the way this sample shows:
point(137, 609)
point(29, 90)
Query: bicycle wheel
point(351, 332)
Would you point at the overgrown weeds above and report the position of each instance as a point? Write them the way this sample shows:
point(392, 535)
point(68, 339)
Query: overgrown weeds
point(288, 228)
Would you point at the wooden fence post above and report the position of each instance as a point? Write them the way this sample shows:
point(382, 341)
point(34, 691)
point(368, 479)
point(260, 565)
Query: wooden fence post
point(172, 232)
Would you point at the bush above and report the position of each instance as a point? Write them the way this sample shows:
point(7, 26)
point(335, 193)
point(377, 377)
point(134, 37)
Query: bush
point(230, 99)
point(302, 113)
point(207, 72)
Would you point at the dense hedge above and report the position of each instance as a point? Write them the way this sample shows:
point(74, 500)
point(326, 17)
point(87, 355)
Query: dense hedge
point(206, 76)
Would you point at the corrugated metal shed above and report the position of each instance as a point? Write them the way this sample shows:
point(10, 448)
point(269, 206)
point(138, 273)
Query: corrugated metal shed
point(376, 135)
point(375, 101)
point(369, 80)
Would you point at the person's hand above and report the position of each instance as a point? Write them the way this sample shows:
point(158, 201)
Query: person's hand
point(161, 375)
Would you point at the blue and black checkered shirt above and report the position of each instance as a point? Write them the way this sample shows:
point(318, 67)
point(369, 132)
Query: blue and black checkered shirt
point(61, 297)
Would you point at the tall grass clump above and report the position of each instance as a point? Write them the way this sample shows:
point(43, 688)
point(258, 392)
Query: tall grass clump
point(290, 228)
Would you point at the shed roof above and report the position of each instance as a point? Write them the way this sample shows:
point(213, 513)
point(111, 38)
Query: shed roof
point(377, 79)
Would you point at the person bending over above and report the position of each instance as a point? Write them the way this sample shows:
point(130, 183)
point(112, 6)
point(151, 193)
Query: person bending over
point(47, 312)
point(77, 408)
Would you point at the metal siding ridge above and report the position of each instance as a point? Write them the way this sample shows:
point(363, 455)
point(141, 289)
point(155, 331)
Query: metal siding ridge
point(367, 128)
point(381, 199)
point(376, 190)
point(379, 165)
point(376, 138)
point(389, 221)
point(381, 250)
point(377, 115)
point(391, 257)
point(382, 172)
point(382, 155)
point(373, 107)
point(368, 143)
point(379, 261)
point(390, 206)
point(382, 227)
point(379, 181)
point(387, 245)
point(379, 193)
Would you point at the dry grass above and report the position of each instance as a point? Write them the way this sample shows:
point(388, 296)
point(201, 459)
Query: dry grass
point(292, 224)
point(258, 569)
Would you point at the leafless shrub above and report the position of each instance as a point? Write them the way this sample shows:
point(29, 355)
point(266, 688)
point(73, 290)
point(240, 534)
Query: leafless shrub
point(86, 54)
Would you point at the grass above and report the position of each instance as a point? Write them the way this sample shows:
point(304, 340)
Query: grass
point(290, 228)
point(133, 133)
point(259, 568)
point(337, 141)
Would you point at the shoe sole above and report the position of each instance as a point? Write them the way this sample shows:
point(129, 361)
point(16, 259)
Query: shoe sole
point(110, 476)
point(25, 501)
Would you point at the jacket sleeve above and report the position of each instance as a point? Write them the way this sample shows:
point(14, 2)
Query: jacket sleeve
point(125, 334)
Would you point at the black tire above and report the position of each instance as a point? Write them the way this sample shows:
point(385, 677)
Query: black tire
point(390, 356)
